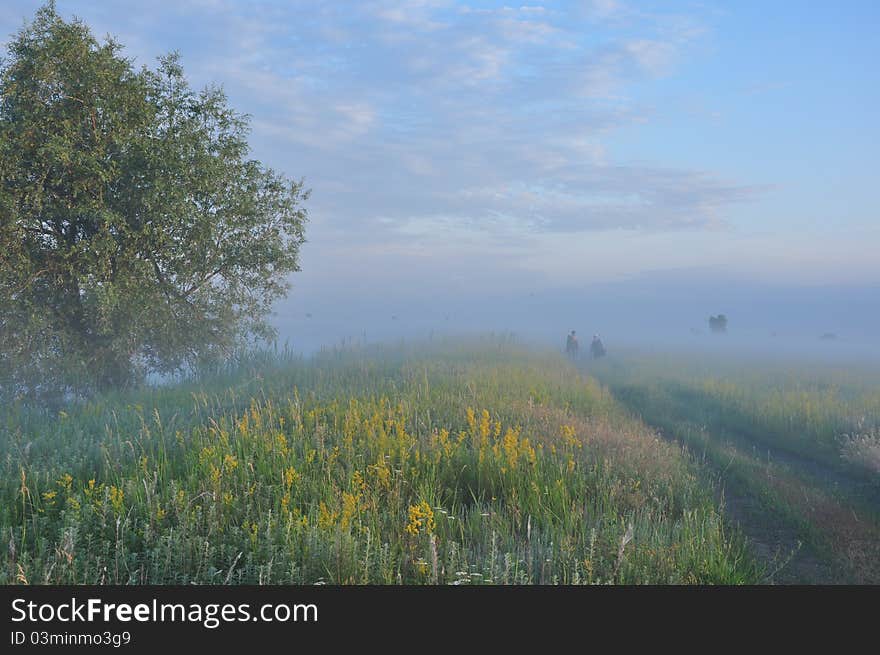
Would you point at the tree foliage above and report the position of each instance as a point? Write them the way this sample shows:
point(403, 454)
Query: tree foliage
point(718, 324)
point(135, 233)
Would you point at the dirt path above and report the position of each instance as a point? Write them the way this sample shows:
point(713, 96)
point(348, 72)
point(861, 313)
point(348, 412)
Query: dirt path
point(799, 516)
point(775, 541)
point(776, 544)
point(858, 491)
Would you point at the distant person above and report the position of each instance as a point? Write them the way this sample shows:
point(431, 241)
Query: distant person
point(571, 345)
point(597, 348)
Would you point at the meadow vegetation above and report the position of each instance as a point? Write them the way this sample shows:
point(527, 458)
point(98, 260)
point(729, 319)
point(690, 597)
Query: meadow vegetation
point(796, 447)
point(462, 462)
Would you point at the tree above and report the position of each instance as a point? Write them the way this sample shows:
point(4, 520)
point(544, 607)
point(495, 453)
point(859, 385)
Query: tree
point(718, 324)
point(135, 233)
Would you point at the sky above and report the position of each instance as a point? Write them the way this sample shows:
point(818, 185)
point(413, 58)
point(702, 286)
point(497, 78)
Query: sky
point(604, 163)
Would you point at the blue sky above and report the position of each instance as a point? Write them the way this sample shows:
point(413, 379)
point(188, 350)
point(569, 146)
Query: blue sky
point(472, 147)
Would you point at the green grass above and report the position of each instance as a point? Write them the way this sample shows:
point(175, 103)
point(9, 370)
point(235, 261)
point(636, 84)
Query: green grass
point(795, 443)
point(459, 462)
point(805, 410)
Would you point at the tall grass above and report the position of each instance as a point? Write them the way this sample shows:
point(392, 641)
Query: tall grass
point(810, 411)
point(796, 445)
point(469, 462)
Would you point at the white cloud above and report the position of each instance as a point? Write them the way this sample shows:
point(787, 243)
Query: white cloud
point(654, 57)
point(604, 8)
point(415, 120)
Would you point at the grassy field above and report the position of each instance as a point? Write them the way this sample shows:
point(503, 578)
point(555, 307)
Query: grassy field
point(462, 462)
point(796, 448)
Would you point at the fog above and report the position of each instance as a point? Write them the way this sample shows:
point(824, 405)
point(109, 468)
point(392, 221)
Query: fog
point(592, 166)
point(655, 310)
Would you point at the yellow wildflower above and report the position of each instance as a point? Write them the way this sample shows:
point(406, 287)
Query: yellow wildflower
point(326, 518)
point(485, 424)
point(289, 477)
point(116, 499)
point(421, 518)
point(471, 420)
point(349, 508)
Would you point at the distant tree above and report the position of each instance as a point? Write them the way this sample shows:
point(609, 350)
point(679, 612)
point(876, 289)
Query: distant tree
point(135, 233)
point(718, 324)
